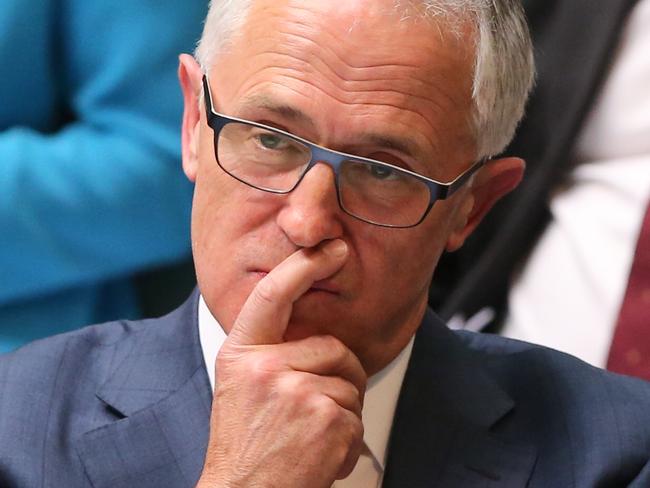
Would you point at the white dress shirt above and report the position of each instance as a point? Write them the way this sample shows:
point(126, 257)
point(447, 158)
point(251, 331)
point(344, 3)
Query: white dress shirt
point(570, 291)
point(380, 401)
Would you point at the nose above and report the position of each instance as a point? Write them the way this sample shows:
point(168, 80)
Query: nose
point(311, 213)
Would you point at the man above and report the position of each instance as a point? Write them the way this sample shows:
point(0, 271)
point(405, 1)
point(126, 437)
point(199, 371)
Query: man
point(316, 134)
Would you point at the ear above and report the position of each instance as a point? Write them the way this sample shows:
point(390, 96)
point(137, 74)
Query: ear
point(190, 77)
point(492, 182)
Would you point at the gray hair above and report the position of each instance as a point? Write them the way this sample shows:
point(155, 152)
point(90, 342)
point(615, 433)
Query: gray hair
point(503, 69)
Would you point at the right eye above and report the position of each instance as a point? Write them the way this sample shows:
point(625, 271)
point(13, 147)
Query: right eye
point(382, 172)
point(268, 140)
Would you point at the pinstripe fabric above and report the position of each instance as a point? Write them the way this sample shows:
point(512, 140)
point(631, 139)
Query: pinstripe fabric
point(127, 404)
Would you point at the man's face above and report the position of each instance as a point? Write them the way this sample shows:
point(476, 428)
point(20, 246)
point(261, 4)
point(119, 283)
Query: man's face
point(352, 77)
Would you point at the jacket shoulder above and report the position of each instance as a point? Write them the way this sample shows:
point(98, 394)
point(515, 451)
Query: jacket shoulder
point(55, 372)
point(513, 362)
point(42, 357)
point(53, 391)
point(594, 421)
point(48, 398)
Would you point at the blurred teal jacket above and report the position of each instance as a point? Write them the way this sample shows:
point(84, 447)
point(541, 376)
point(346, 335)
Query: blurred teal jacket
point(91, 186)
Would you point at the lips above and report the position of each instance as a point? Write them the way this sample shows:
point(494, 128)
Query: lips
point(319, 286)
point(326, 286)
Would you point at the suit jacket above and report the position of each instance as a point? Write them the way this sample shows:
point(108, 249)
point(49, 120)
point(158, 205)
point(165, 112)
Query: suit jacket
point(127, 404)
point(574, 43)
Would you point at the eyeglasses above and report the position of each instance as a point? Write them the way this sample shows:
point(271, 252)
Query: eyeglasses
point(276, 161)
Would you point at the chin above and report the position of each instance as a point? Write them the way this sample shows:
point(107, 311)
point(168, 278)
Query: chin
point(321, 315)
point(310, 318)
point(296, 332)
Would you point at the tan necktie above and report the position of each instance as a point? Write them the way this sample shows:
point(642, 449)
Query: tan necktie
point(366, 473)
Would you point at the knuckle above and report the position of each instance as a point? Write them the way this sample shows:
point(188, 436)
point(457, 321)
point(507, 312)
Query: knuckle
point(326, 409)
point(352, 430)
point(294, 386)
point(357, 429)
point(262, 368)
point(265, 363)
point(348, 395)
point(350, 391)
point(350, 440)
point(335, 347)
point(246, 367)
point(340, 454)
point(332, 411)
point(266, 292)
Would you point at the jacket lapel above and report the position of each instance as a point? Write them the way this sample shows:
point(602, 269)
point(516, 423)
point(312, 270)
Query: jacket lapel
point(160, 395)
point(441, 433)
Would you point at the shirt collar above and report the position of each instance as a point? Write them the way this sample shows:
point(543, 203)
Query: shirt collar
point(382, 391)
point(212, 337)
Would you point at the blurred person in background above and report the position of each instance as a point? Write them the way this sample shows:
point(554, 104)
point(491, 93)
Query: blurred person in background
point(564, 261)
point(90, 186)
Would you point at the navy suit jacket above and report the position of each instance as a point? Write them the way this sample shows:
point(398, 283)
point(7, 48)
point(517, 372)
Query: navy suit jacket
point(127, 404)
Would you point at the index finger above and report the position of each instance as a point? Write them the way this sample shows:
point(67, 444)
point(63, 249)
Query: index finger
point(265, 315)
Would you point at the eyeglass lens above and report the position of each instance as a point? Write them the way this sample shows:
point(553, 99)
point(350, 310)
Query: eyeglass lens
point(272, 161)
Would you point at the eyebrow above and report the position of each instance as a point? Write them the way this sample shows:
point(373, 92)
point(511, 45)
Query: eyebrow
point(263, 101)
point(405, 146)
point(260, 100)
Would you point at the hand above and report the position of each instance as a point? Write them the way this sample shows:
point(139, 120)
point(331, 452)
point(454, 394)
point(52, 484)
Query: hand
point(285, 414)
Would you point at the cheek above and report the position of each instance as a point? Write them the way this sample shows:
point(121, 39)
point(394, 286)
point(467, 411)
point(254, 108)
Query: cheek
point(214, 231)
point(210, 236)
point(224, 207)
point(400, 262)
point(391, 270)
point(211, 197)
point(229, 221)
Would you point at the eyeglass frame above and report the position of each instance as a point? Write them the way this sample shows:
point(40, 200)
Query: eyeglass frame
point(320, 154)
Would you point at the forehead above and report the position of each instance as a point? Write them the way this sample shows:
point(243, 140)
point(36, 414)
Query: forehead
point(360, 59)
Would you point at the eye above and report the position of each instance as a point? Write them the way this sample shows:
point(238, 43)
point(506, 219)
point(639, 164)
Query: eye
point(381, 172)
point(269, 140)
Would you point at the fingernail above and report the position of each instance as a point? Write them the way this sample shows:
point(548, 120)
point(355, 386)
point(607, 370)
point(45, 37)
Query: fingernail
point(336, 248)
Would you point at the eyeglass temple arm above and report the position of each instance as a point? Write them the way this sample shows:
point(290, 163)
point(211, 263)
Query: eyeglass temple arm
point(208, 97)
point(462, 179)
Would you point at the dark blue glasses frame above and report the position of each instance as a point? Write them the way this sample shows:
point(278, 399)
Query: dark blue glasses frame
point(320, 154)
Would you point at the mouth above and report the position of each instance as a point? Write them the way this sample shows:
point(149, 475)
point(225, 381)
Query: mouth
point(325, 286)
point(320, 286)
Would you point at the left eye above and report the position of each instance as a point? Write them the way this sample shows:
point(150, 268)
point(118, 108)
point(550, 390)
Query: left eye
point(272, 141)
point(381, 172)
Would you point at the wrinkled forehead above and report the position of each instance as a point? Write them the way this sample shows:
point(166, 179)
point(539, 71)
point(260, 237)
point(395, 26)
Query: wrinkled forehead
point(373, 26)
point(358, 40)
point(349, 20)
point(360, 59)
